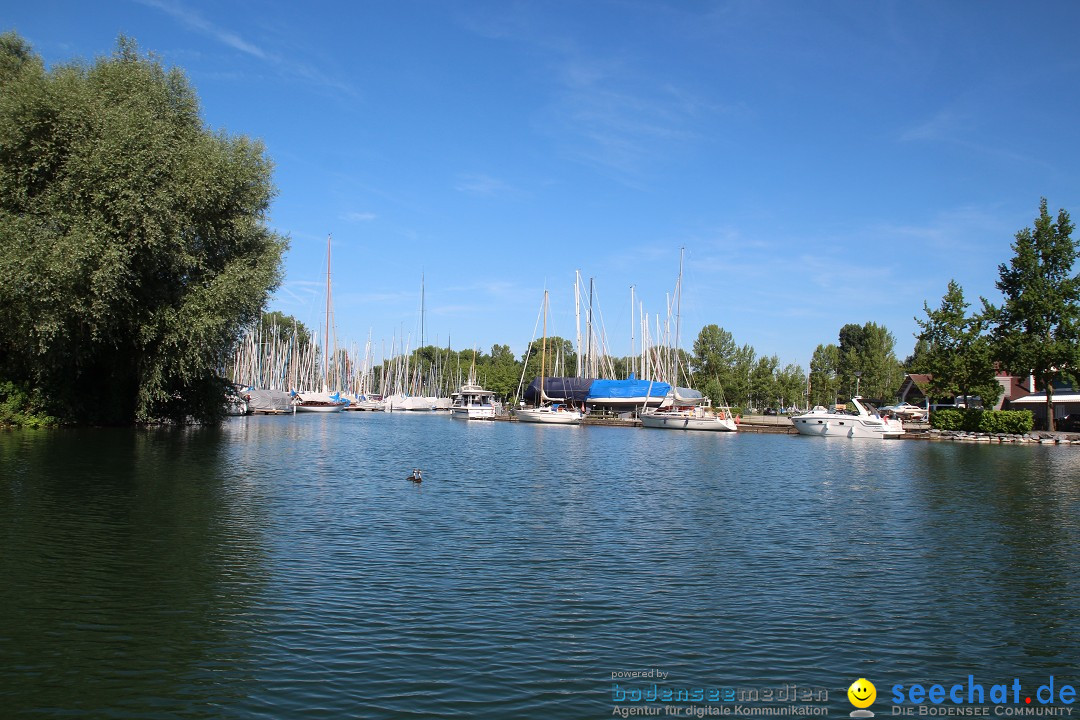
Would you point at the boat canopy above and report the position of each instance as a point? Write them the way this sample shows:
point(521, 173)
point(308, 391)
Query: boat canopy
point(686, 395)
point(602, 390)
point(570, 389)
point(267, 400)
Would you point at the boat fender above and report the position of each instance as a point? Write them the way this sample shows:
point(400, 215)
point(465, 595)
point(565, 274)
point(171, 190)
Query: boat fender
point(738, 418)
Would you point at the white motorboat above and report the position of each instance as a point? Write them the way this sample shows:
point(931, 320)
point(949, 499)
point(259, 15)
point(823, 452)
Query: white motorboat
point(865, 423)
point(318, 402)
point(907, 411)
point(689, 412)
point(365, 402)
point(472, 402)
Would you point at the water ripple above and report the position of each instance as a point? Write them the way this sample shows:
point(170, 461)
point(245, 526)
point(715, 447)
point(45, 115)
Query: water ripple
point(283, 567)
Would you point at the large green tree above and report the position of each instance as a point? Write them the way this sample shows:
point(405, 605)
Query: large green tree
point(134, 244)
point(956, 352)
point(503, 372)
point(1037, 328)
point(721, 367)
point(868, 350)
point(791, 385)
point(824, 380)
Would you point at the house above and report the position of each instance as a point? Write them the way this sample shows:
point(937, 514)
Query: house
point(1066, 401)
point(916, 385)
point(915, 388)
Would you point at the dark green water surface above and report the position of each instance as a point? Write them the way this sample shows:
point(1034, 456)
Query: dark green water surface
point(283, 567)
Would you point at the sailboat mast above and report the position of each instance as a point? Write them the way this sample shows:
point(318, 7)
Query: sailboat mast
point(631, 356)
point(678, 317)
point(577, 319)
point(589, 329)
point(543, 349)
point(326, 337)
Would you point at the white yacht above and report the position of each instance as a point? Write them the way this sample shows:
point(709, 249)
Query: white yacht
point(472, 402)
point(865, 423)
point(689, 410)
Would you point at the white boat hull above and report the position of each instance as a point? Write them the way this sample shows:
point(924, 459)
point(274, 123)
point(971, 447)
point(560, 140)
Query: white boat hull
point(548, 416)
point(675, 421)
point(827, 424)
point(319, 408)
point(473, 412)
point(410, 403)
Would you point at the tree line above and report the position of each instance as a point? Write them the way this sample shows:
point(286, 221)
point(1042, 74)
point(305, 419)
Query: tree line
point(135, 253)
point(1035, 330)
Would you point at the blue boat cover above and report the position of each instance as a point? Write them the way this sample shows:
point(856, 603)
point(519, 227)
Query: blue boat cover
point(625, 389)
point(571, 389)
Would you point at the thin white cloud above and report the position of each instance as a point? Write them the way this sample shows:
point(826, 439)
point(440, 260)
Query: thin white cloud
point(195, 21)
point(287, 67)
point(945, 125)
point(480, 184)
point(359, 216)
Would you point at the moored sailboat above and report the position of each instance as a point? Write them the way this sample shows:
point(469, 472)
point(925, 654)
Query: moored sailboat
point(322, 402)
point(689, 410)
point(548, 410)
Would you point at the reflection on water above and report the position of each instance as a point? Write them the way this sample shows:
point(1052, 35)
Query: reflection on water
point(284, 567)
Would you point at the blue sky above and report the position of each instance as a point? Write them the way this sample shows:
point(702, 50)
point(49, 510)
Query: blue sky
point(822, 163)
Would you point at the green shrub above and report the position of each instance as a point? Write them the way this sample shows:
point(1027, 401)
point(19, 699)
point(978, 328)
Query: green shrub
point(947, 419)
point(1007, 421)
point(20, 408)
point(1015, 422)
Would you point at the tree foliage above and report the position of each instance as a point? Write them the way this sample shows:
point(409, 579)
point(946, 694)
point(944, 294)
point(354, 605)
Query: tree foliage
point(1037, 328)
point(133, 241)
point(722, 368)
point(868, 350)
point(955, 351)
point(824, 380)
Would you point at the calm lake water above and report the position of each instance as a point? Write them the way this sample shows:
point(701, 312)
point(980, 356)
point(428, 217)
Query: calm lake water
point(283, 567)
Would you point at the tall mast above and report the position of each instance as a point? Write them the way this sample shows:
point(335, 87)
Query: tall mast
point(577, 319)
point(543, 349)
point(326, 337)
point(631, 357)
point(589, 329)
point(678, 316)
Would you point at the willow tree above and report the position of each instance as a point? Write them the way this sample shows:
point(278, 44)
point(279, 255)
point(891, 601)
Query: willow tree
point(1037, 328)
point(134, 243)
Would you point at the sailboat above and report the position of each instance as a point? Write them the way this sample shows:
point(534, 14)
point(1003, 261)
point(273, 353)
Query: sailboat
point(689, 411)
point(683, 408)
point(322, 401)
point(549, 410)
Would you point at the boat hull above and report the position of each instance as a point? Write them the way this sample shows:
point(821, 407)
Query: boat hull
point(545, 416)
point(319, 408)
point(845, 426)
point(474, 412)
point(667, 421)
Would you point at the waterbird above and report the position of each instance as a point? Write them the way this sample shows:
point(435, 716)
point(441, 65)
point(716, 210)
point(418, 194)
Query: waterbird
point(416, 476)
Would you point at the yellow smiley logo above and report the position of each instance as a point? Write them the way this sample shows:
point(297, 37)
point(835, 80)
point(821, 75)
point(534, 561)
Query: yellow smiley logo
point(862, 693)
